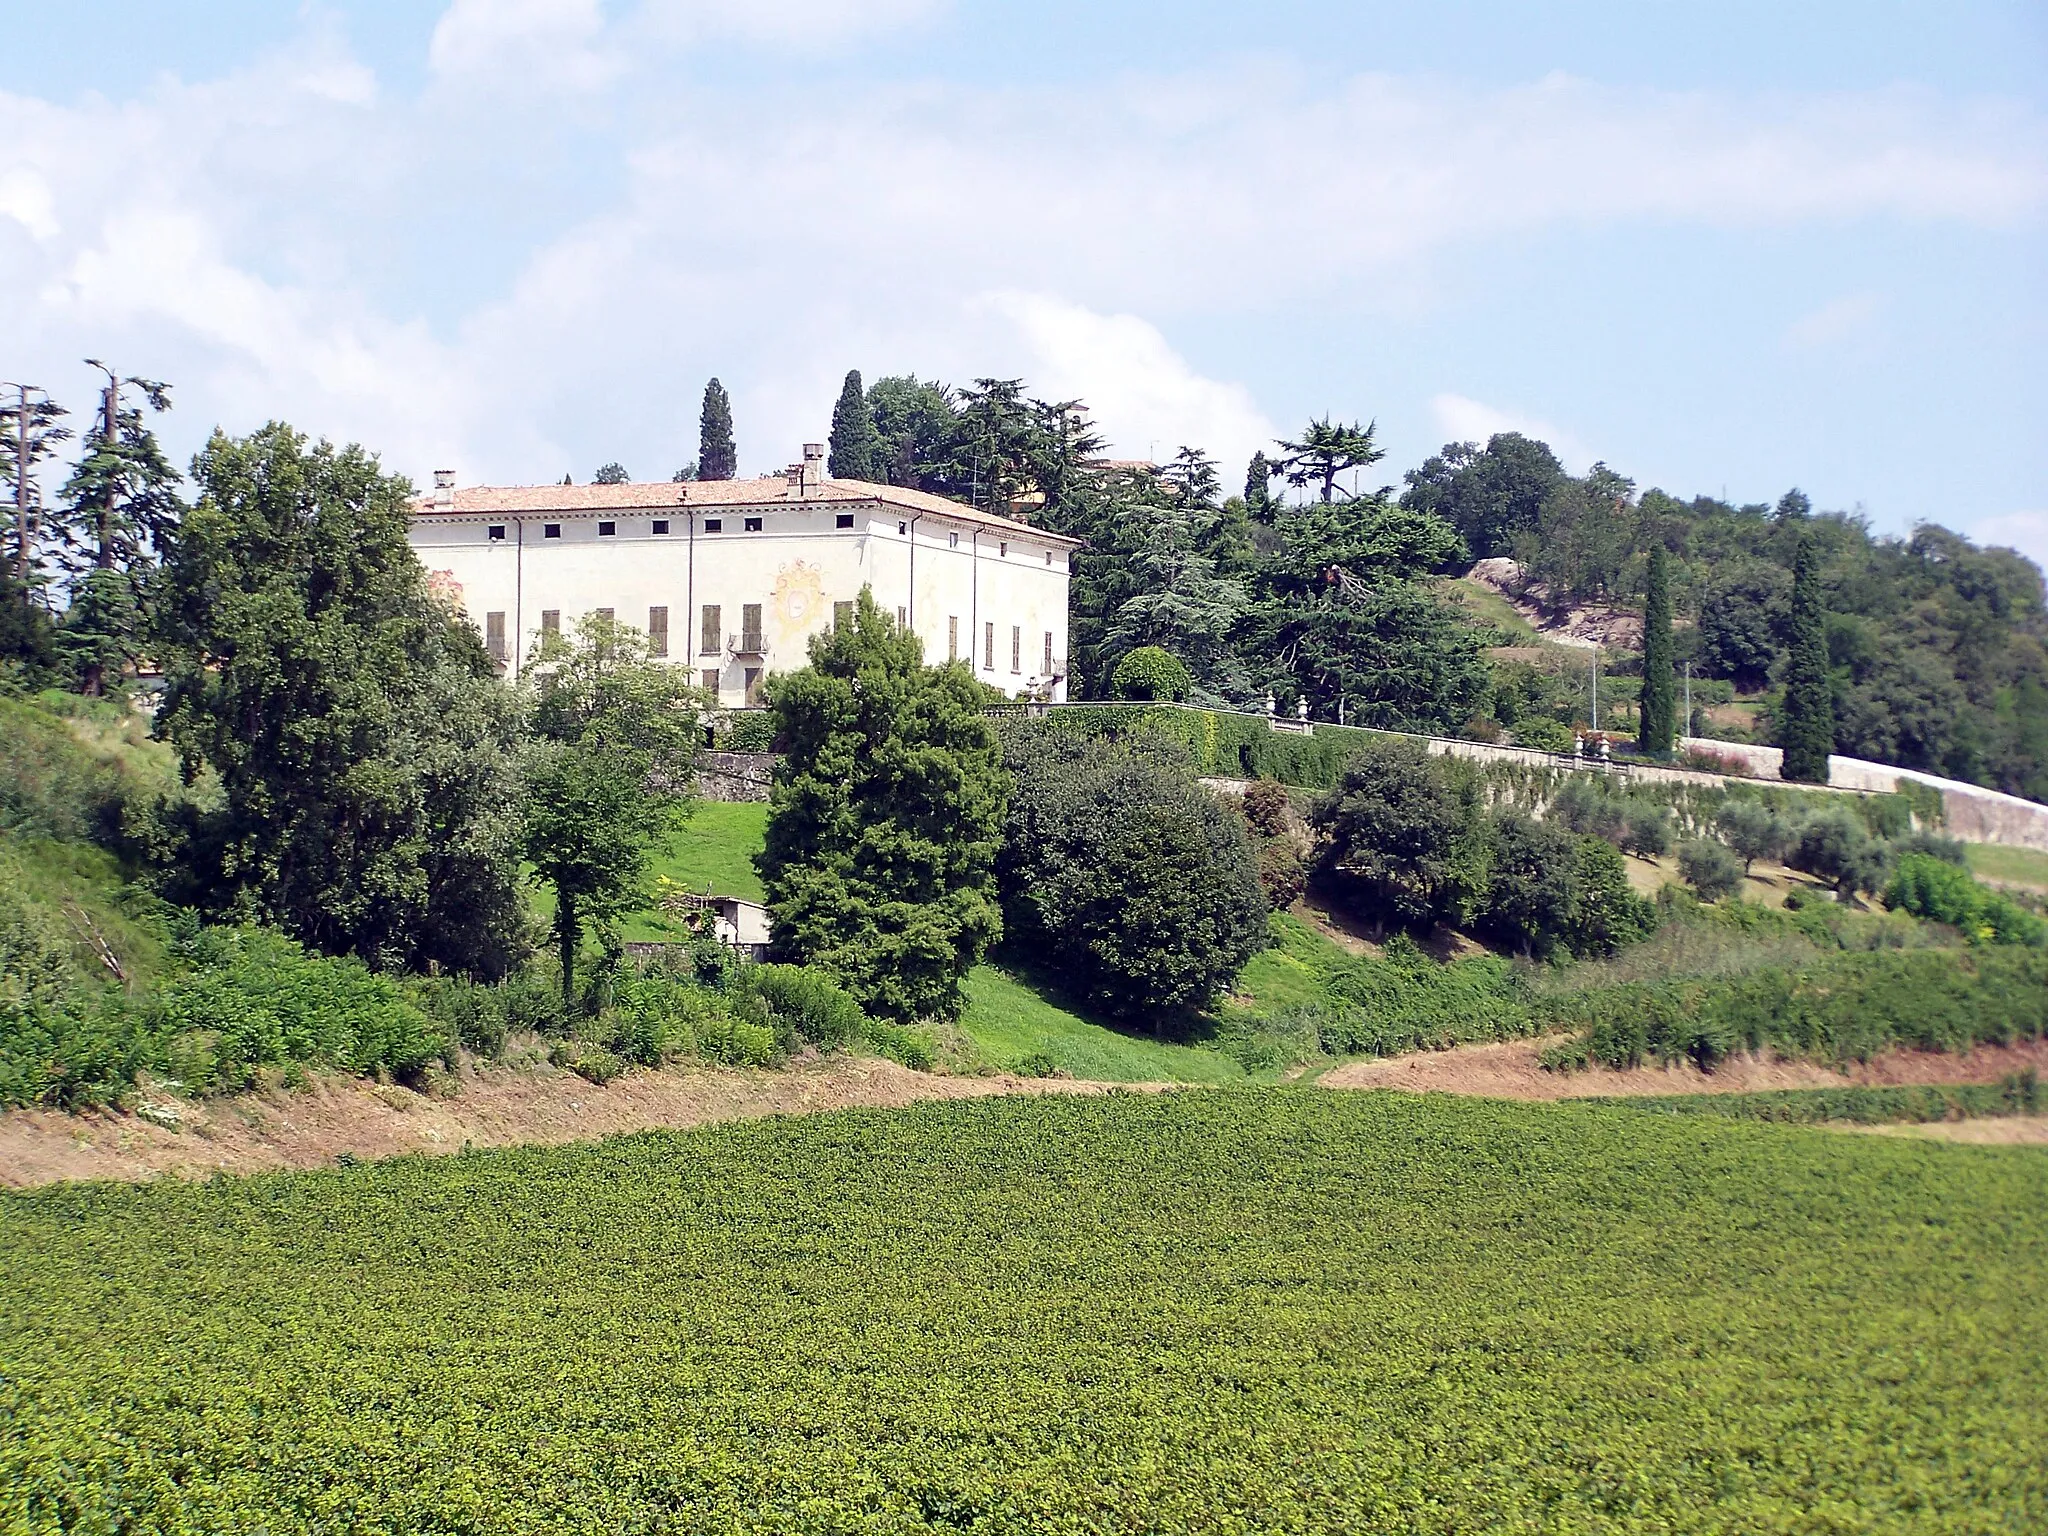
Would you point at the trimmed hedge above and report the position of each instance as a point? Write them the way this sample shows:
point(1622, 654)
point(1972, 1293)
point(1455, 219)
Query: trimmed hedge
point(2020, 1093)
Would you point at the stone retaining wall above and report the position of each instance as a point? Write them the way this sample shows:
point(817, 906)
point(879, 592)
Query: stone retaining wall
point(735, 776)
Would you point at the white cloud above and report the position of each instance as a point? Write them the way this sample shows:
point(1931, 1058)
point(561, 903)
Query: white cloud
point(1842, 320)
point(26, 198)
point(2026, 532)
point(799, 22)
point(1148, 399)
point(1463, 420)
point(549, 43)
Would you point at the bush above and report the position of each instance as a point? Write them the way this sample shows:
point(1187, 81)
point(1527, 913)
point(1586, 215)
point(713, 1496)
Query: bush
point(1267, 807)
point(1607, 914)
point(1150, 674)
point(751, 730)
point(1711, 869)
point(1402, 835)
point(255, 998)
point(1283, 875)
point(1929, 888)
point(1544, 735)
point(902, 1043)
point(1136, 885)
point(808, 1005)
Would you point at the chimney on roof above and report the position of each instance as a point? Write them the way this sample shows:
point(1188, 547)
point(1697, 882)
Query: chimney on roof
point(444, 490)
point(814, 464)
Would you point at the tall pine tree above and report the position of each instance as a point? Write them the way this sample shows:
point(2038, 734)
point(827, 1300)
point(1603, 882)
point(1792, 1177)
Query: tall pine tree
point(856, 451)
point(1806, 724)
point(717, 458)
point(1258, 486)
point(1654, 732)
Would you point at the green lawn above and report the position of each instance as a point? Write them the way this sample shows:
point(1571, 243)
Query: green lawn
point(2012, 866)
point(1009, 1019)
point(1289, 973)
point(1240, 1310)
point(1487, 604)
point(714, 852)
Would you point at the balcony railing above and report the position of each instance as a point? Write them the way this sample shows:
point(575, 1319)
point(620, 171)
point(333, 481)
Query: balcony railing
point(749, 642)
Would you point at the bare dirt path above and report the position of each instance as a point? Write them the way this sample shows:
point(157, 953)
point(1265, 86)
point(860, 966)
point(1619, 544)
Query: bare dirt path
point(2008, 1131)
point(312, 1127)
point(1512, 1071)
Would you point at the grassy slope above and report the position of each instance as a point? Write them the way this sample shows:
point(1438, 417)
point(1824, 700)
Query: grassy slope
point(1009, 1019)
point(1249, 1310)
point(2009, 866)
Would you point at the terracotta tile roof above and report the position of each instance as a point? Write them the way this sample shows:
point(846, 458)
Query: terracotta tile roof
point(711, 496)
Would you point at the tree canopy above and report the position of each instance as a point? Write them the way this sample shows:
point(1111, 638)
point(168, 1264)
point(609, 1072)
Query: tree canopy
point(717, 457)
point(884, 820)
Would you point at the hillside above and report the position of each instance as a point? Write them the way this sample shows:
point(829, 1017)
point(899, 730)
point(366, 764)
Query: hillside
point(1252, 1310)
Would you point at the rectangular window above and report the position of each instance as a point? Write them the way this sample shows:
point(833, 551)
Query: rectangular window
point(714, 524)
point(952, 541)
point(753, 525)
point(988, 647)
point(843, 520)
point(494, 636)
point(902, 617)
point(1048, 557)
point(842, 615)
point(710, 679)
point(551, 621)
point(1048, 653)
point(551, 530)
point(657, 632)
point(711, 634)
point(661, 526)
point(607, 530)
point(1003, 550)
point(605, 614)
point(752, 642)
point(952, 637)
point(903, 527)
point(753, 681)
point(497, 533)
point(1016, 647)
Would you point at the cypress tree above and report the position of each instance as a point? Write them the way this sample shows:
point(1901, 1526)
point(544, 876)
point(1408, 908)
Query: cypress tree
point(856, 449)
point(717, 458)
point(1258, 476)
point(1806, 725)
point(1653, 734)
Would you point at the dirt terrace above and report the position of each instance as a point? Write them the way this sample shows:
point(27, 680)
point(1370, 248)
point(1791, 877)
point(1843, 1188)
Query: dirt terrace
point(312, 1127)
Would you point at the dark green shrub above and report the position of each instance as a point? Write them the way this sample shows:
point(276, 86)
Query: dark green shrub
point(1150, 674)
point(902, 1043)
point(1529, 888)
point(1402, 835)
point(1134, 884)
point(1037, 1064)
point(1267, 807)
point(1283, 876)
point(1607, 914)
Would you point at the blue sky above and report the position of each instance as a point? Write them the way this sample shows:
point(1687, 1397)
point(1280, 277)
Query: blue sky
point(1725, 248)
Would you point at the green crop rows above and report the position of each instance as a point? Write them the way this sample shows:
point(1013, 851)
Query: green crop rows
point(1224, 1310)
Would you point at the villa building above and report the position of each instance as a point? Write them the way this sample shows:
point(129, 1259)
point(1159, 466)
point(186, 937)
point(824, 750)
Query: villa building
point(732, 577)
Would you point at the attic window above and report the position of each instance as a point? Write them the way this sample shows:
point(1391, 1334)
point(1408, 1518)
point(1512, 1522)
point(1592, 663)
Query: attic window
point(497, 532)
point(1048, 557)
point(753, 525)
point(607, 530)
point(843, 520)
point(903, 527)
point(952, 541)
point(714, 524)
point(551, 530)
point(1003, 550)
point(661, 526)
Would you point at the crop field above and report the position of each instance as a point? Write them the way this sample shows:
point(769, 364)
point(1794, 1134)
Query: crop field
point(1236, 1310)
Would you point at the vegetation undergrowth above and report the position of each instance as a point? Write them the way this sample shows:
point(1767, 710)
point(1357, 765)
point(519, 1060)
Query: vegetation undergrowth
point(2018, 1093)
point(1244, 1309)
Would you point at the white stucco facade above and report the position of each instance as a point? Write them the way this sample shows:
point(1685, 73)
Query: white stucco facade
point(732, 578)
